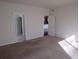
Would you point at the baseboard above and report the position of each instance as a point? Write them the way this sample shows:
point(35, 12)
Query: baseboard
point(9, 43)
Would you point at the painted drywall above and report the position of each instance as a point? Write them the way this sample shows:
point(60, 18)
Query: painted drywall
point(51, 25)
point(33, 19)
point(67, 21)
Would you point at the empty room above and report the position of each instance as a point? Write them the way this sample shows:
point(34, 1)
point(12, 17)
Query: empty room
point(38, 29)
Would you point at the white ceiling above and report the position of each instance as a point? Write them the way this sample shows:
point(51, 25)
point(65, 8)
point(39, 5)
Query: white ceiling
point(43, 3)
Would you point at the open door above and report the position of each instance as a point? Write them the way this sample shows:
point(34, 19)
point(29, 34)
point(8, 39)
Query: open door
point(45, 25)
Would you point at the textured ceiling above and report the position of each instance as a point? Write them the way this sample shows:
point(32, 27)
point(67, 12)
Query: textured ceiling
point(43, 3)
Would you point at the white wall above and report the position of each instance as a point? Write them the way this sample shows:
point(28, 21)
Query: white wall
point(51, 25)
point(67, 21)
point(34, 19)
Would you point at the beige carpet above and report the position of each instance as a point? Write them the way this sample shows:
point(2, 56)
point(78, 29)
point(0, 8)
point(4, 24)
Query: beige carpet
point(40, 48)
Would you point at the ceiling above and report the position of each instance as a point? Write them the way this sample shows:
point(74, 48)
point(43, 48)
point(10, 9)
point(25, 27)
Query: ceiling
point(43, 3)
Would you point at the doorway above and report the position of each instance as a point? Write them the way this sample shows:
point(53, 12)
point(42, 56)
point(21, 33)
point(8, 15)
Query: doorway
point(45, 26)
point(20, 27)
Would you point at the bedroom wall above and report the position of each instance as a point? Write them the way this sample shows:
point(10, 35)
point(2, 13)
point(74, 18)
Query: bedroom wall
point(51, 25)
point(67, 21)
point(33, 18)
